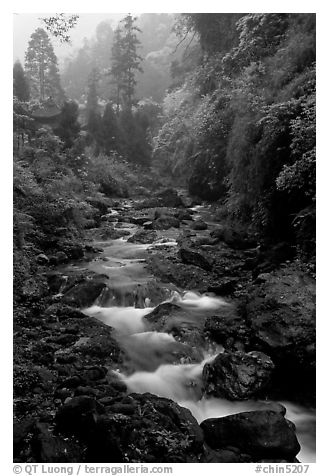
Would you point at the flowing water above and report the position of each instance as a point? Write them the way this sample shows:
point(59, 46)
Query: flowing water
point(152, 353)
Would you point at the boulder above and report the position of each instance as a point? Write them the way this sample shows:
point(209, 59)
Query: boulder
point(143, 236)
point(199, 225)
point(260, 434)
point(227, 326)
point(42, 259)
point(224, 287)
point(139, 428)
point(62, 312)
point(84, 294)
point(165, 222)
point(61, 257)
point(237, 375)
point(195, 258)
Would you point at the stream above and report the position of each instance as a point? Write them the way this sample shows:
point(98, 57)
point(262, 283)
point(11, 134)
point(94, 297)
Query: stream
point(151, 352)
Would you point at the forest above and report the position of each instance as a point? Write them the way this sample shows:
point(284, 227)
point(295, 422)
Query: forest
point(164, 240)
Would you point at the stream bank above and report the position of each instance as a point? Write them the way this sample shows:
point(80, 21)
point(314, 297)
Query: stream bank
point(176, 320)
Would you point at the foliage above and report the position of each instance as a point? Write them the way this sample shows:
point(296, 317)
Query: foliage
point(60, 24)
point(241, 127)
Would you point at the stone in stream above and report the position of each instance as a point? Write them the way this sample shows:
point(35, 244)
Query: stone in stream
point(237, 375)
point(84, 294)
point(141, 428)
point(172, 319)
point(260, 434)
point(143, 237)
point(199, 225)
point(166, 222)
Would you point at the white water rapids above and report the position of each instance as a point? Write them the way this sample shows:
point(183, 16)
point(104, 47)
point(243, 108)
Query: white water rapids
point(152, 352)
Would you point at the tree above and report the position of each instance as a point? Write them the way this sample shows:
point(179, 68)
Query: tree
point(21, 85)
point(41, 68)
point(125, 62)
point(116, 71)
point(93, 117)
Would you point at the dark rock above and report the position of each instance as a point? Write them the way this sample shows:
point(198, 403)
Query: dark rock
point(199, 225)
point(164, 433)
point(84, 294)
point(63, 312)
point(112, 233)
point(61, 257)
point(224, 287)
point(166, 222)
point(48, 448)
point(236, 375)
point(182, 275)
point(183, 215)
point(148, 225)
point(224, 456)
point(261, 434)
point(226, 325)
point(143, 236)
point(140, 220)
point(78, 416)
point(21, 432)
point(42, 259)
point(195, 258)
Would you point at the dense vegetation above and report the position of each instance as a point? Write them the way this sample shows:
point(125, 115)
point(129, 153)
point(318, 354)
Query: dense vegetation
point(242, 124)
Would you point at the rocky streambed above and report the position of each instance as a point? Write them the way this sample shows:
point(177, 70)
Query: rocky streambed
point(173, 339)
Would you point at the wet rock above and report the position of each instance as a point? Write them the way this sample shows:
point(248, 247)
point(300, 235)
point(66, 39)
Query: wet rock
point(182, 275)
point(143, 236)
point(281, 315)
point(237, 375)
point(174, 320)
point(261, 434)
point(166, 222)
point(224, 287)
point(63, 312)
point(84, 294)
point(78, 416)
point(42, 259)
point(111, 233)
point(195, 258)
point(101, 347)
point(148, 225)
point(48, 448)
point(165, 433)
point(21, 432)
point(140, 220)
point(199, 225)
point(227, 326)
point(229, 455)
point(183, 214)
point(61, 257)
